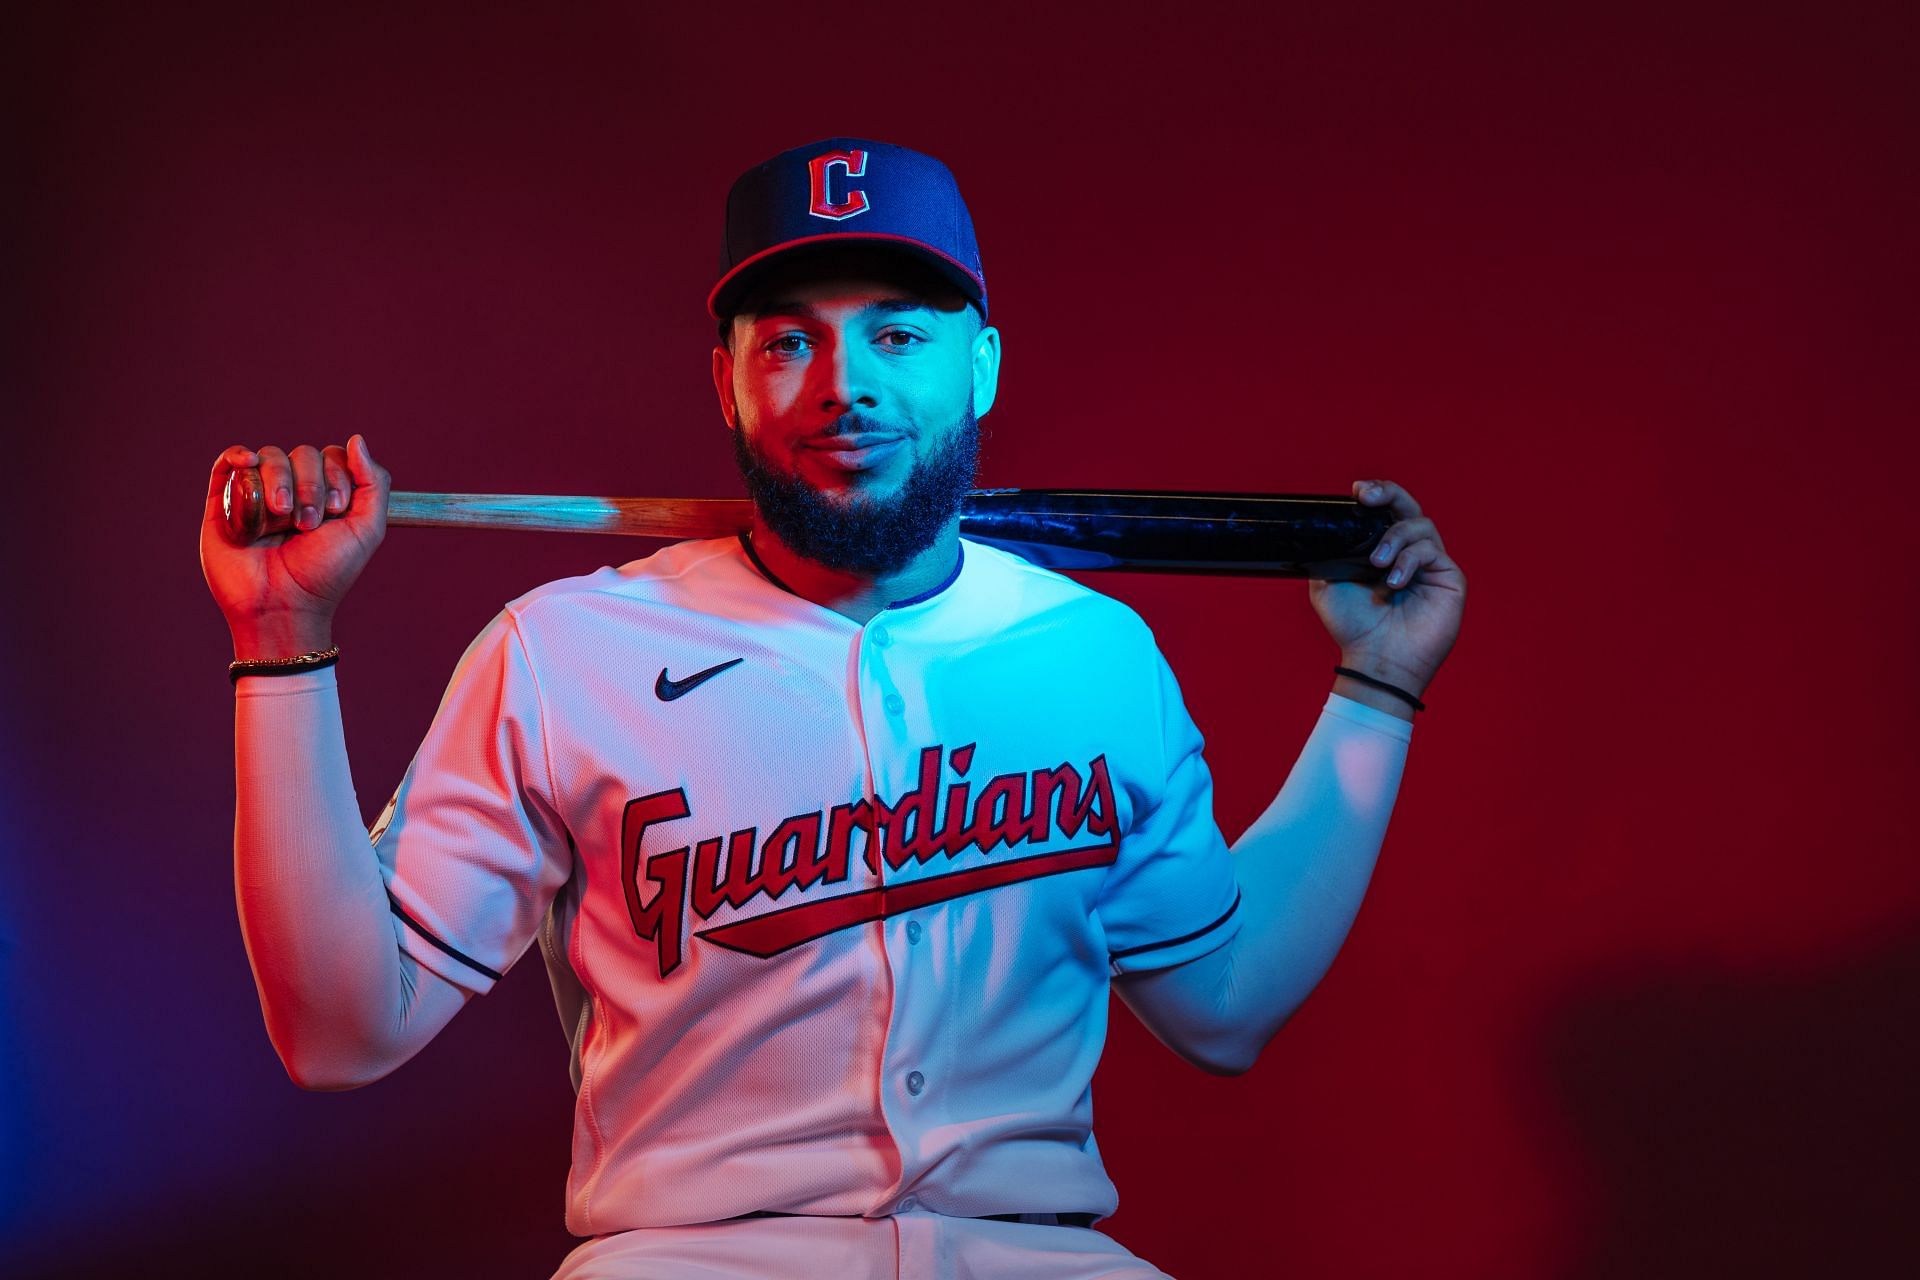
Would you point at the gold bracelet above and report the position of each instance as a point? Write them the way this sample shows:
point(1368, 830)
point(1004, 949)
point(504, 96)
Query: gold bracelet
point(312, 660)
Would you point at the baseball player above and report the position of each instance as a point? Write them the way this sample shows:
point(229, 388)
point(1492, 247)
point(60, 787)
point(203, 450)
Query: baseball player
point(833, 835)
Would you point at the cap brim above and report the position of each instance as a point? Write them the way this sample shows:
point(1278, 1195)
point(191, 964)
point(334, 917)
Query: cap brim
point(725, 296)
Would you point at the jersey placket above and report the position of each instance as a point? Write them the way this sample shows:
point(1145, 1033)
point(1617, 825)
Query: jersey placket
point(893, 716)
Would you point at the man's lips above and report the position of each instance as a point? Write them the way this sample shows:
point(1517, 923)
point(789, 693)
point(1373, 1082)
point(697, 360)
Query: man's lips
point(859, 451)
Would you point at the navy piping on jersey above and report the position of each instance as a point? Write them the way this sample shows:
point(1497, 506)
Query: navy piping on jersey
point(414, 925)
point(959, 560)
point(1185, 937)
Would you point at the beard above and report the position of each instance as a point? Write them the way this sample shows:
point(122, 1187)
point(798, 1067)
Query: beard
point(871, 536)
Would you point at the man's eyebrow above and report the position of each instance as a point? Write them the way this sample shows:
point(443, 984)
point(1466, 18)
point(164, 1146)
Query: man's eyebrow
point(880, 306)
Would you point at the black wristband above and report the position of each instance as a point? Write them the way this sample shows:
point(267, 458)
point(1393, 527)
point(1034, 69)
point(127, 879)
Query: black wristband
point(1383, 686)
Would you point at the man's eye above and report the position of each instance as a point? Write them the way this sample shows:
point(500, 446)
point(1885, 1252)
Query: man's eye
point(788, 344)
point(900, 339)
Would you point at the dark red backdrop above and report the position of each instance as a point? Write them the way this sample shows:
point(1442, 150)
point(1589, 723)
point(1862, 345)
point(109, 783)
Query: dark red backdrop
point(1626, 301)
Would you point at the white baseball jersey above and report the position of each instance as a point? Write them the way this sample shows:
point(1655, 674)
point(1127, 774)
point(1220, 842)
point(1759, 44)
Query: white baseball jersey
point(829, 910)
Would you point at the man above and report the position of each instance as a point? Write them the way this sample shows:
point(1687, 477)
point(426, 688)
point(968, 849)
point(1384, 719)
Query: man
point(834, 834)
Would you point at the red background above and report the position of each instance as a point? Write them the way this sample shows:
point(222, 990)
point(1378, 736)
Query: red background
point(1626, 300)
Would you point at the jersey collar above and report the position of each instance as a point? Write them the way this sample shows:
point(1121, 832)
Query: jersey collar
point(953, 576)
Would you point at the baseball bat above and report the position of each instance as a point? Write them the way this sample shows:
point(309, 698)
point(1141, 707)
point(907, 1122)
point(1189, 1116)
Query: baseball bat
point(1287, 535)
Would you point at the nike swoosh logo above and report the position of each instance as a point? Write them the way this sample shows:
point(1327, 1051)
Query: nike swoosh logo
point(667, 688)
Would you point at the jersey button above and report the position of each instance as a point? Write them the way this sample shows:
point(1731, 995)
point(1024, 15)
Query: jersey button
point(915, 1083)
point(909, 1205)
point(896, 704)
point(913, 931)
point(882, 637)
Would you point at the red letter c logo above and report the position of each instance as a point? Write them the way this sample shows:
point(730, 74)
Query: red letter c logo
point(852, 164)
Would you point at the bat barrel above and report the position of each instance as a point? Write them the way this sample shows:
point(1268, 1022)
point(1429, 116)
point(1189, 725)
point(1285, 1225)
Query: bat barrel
point(1287, 535)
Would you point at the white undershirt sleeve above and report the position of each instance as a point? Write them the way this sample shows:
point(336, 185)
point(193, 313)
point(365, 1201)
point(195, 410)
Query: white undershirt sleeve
point(343, 1003)
point(1303, 868)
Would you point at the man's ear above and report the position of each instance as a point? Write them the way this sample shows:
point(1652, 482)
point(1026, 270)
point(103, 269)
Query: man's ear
point(723, 386)
point(986, 369)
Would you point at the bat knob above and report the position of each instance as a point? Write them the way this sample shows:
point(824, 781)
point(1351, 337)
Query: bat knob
point(244, 503)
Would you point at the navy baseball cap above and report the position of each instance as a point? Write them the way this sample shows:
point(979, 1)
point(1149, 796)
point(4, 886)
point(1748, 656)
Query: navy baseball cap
point(843, 190)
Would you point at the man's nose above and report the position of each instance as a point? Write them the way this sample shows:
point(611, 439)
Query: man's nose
point(845, 376)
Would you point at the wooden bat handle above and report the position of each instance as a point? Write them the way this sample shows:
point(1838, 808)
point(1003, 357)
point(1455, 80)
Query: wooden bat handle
point(249, 518)
point(1289, 535)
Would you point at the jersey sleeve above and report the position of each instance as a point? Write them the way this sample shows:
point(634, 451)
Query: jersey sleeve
point(1171, 894)
point(472, 846)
